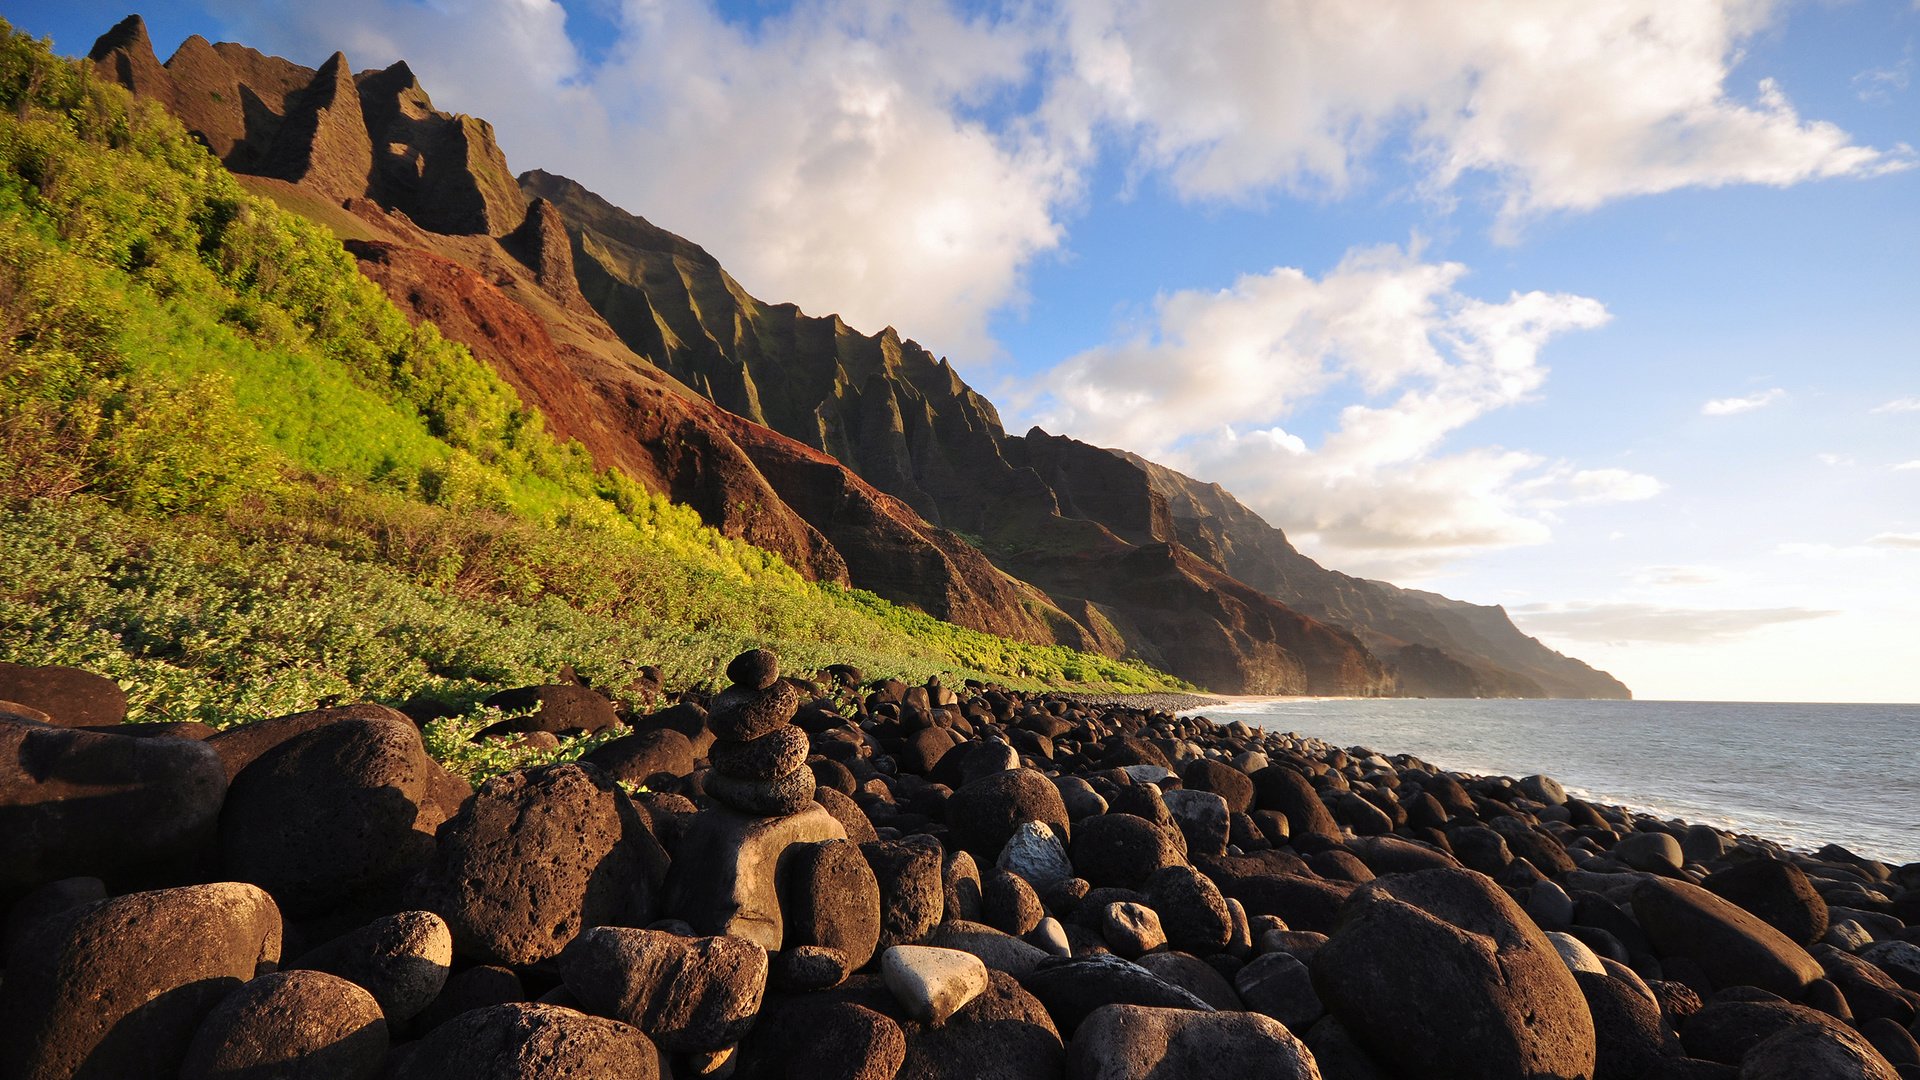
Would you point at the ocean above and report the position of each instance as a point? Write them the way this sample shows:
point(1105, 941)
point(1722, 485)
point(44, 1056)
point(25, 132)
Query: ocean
point(1802, 775)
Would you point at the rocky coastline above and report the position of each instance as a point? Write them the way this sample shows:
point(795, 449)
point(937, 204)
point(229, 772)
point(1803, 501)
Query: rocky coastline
point(863, 879)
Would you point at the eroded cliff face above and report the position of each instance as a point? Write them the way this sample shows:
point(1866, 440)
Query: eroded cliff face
point(1083, 524)
point(860, 458)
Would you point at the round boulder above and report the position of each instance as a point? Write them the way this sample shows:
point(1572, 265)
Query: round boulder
point(401, 959)
point(1442, 975)
point(983, 815)
point(1778, 892)
point(330, 815)
point(84, 804)
point(632, 758)
point(829, 897)
point(912, 893)
point(528, 1041)
point(1133, 1042)
point(118, 987)
point(1733, 947)
point(689, 995)
point(292, 1024)
point(535, 857)
point(1121, 850)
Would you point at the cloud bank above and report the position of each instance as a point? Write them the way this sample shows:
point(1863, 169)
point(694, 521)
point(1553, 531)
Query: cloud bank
point(1627, 622)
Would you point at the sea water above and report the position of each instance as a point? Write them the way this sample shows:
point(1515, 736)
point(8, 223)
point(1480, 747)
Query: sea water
point(1802, 775)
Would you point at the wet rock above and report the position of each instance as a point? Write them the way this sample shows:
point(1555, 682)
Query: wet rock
point(294, 1024)
point(724, 879)
point(1130, 1042)
point(117, 988)
point(912, 895)
point(829, 897)
point(1732, 946)
point(528, 1041)
point(689, 995)
point(401, 959)
point(82, 804)
point(1416, 953)
point(330, 815)
point(932, 984)
point(537, 856)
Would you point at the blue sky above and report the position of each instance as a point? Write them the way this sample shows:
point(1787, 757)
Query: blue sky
point(1607, 313)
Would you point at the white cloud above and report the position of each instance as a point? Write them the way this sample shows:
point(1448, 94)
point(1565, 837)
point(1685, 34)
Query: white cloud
point(1835, 461)
point(1907, 466)
point(1564, 104)
point(1896, 540)
point(1208, 388)
point(1879, 86)
point(1631, 622)
point(1735, 405)
point(1899, 405)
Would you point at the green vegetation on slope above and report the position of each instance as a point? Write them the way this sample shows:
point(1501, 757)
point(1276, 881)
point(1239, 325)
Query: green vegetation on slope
point(235, 477)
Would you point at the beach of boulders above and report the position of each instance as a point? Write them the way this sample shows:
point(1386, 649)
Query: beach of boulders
point(841, 878)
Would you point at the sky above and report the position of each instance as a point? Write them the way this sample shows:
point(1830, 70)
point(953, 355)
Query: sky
point(1607, 313)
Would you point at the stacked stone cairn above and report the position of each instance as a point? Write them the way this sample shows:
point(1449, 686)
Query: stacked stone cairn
point(759, 757)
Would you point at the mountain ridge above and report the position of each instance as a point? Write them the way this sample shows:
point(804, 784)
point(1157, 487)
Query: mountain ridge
point(860, 458)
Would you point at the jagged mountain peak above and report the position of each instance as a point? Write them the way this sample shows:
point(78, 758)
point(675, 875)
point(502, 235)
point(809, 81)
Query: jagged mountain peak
point(129, 35)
